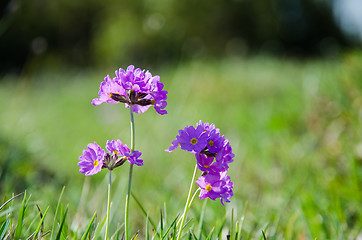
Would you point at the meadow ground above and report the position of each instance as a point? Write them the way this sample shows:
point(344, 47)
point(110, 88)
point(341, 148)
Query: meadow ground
point(294, 126)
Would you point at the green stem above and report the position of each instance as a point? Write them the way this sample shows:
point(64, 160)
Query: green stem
point(108, 205)
point(193, 197)
point(187, 205)
point(133, 135)
point(130, 174)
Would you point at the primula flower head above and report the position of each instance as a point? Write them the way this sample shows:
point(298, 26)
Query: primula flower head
point(91, 161)
point(135, 87)
point(206, 143)
point(95, 158)
point(213, 154)
point(215, 185)
point(123, 152)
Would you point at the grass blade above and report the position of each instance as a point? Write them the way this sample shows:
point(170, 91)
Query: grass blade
point(41, 216)
point(19, 226)
point(31, 236)
point(146, 215)
point(202, 215)
point(173, 234)
point(12, 198)
point(193, 235)
point(232, 234)
point(161, 223)
point(165, 214)
point(75, 236)
point(218, 233)
point(56, 213)
point(147, 234)
point(62, 224)
point(264, 237)
point(135, 235)
point(89, 227)
point(170, 227)
point(30, 226)
point(241, 222)
point(116, 233)
point(4, 228)
point(237, 226)
point(99, 228)
point(210, 234)
point(40, 224)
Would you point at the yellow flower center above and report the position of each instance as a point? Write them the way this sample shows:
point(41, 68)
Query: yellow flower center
point(208, 188)
point(211, 143)
point(115, 152)
point(95, 163)
point(193, 141)
point(110, 95)
point(206, 166)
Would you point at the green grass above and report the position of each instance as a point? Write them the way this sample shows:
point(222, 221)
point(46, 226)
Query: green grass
point(295, 128)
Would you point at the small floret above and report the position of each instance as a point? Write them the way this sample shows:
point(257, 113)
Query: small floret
point(190, 139)
point(123, 153)
point(91, 161)
point(215, 185)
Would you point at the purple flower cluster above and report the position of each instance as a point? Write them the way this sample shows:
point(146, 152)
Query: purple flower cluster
point(133, 87)
point(213, 154)
point(95, 158)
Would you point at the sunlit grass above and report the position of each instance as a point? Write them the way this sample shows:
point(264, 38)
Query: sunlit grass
point(295, 128)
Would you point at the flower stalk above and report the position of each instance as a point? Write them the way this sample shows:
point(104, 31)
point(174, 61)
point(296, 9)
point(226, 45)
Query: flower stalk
point(187, 205)
point(130, 174)
point(108, 204)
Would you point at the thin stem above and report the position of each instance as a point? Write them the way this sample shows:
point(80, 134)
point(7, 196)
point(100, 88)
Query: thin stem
point(130, 174)
point(108, 205)
point(193, 197)
point(187, 205)
point(133, 130)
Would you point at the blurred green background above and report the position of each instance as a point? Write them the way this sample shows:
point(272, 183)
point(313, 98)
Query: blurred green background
point(281, 79)
point(90, 33)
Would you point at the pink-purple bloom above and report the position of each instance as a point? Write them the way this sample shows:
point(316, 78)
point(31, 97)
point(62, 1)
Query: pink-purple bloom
point(190, 139)
point(205, 142)
point(135, 87)
point(226, 155)
point(133, 158)
point(215, 185)
point(95, 158)
point(122, 151)
point(208, 164)
point(108, 87)
point(214, 141)
point(91, 161)
point(116, 147)
point(213, 155)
